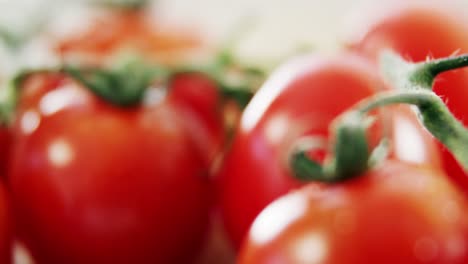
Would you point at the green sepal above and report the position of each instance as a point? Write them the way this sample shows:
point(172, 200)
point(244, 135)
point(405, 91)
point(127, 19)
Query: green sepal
point(350, 153)
point(123, 85)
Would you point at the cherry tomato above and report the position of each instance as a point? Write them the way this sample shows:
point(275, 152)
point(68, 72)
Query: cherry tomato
point(384, 216)
point(199, 96)
point(418, 32)
point(94, 183)
point(5, 227)
point(113, 32)
point(5, 141)
point(301, 99)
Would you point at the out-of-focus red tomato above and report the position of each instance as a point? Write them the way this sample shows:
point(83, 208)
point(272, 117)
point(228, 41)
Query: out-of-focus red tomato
point(95, 183)
point(200, 101)
point(383, 216)
point(5, 141)
point(131, 31)
point(6, 227)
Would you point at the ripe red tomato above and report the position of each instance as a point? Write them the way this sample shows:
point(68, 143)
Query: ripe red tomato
point(5, 227)
point(114, 31)
point(4, 148)
point(201, 100)
point(418, 32)
point(384, 216)
point(94, 183)
point(301, 98)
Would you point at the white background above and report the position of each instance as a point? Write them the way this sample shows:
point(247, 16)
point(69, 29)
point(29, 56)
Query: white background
point(277, 26)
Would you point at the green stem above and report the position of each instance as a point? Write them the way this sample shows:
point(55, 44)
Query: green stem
point(404, 75)
point(446, 64)
point(415, 83)
point(434, 115)
point(424, 73)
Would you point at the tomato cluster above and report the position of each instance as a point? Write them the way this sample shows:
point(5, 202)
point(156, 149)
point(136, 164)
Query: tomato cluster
point(371, 218)
point(138, 161)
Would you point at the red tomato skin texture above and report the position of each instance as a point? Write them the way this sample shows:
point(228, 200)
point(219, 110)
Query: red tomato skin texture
point(418, 32)
point(304, 97)
point(92, 183)
point(5, 141)
point(396, 213)
point(198, 97)
point(5, 227)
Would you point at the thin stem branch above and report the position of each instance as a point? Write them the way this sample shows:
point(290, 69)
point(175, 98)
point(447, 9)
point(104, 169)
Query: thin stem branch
point(435, 116)
point(438, 66)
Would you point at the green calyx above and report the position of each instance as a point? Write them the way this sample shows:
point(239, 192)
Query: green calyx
point(125, 83)
point(350, 157)
point(237, 82)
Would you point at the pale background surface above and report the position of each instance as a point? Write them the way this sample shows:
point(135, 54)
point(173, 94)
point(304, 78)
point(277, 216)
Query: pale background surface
point(278, 26)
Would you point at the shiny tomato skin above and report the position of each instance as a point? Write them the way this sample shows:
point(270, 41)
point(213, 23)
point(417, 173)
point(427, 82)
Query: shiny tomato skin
point(418, 32)
point(5, 141)
point(395, 213)
point(93, 183)
point(6, 226)
point(301, 98)
point(198, 96)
